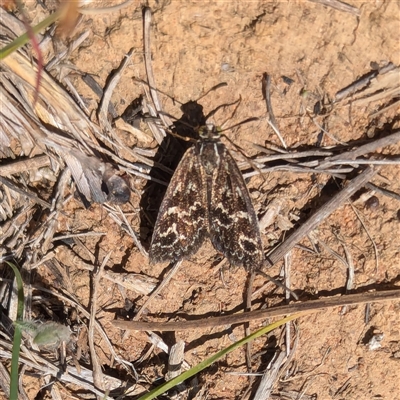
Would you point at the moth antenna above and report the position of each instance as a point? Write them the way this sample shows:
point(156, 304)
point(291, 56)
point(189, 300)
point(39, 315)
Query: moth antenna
point(253, 165)
point(158, 90)
point(211, 113)
point(220, 85)
point(234, 111)
point(245, 121)
point(174, 100)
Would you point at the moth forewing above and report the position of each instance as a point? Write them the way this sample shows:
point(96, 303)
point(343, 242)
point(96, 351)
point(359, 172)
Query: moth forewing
point(181, 225)
point(234, 225)
point(207, 196)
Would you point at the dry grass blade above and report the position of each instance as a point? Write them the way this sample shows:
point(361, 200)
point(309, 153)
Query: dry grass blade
point(54, 107)
point(97, 369)
point(56, 60)
point(105, 100)
point(269, 378)
point(376, 86)
point(326, 161)
point(141, 136)
point(159, 288)
point(83, 378)
point(372, 240)
point(332, 205)
point(362, 150)
point(175, 360)
point(24, 165)
point(159, 133)
point(24, 192)
point(138, 283)
point(58, 238)
point(266, 83)
point(49, 228)
point(306, 307)
point(5, 380)
point(339, 5)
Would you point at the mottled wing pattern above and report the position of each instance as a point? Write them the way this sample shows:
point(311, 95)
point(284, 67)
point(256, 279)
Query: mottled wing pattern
point(182, 222)
point(234, 228)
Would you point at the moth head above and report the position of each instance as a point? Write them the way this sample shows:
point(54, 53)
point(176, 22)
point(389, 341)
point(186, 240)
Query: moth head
point(210, 132)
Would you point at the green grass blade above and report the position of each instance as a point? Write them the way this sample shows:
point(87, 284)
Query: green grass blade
point(17, 335)
point(23, 39)
point(206, 363)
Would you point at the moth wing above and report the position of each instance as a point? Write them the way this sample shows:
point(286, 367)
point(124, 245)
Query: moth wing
point(234, 228)
point(182, 222)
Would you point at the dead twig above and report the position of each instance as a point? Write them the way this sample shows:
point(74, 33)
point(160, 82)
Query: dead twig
point(150, 75)
point(302, 308)
point(269, 378)
point(328, 208)
point(175, 361)
point(266, 84)
point(362, 150)
point(24, 192)
point(370, 237)
point(165, 281)
point(24, 165)
point(385, 109)
point(383, 191)
point(247, 308)
point(286, 269)
point(108, 91)
point(67, 299)
point(98, 378)
point(138, 283)
point(375, 86)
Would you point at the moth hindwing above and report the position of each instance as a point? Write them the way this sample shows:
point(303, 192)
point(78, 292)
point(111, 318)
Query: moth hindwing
point(207, 197)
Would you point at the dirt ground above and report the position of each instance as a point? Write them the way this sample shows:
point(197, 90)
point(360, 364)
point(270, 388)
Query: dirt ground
point(310, 52)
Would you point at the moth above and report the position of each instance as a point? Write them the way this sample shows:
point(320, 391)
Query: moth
point(207, 198)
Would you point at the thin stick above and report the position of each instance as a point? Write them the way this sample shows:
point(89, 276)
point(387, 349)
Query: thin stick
point(247, 331)
point(306, 307)
point(370, 237)
point(327, 209)
point(24, 165)
point(270, 377)
point(287, 264)
point(98, 378)
point(383, 191)
point(165, 281)
point(108, 91)
point(362, 150)
point(132, 233)
point(24, 192)
point(266, 84)
point(98, 90)
point(384, 109)
point(149, 68)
